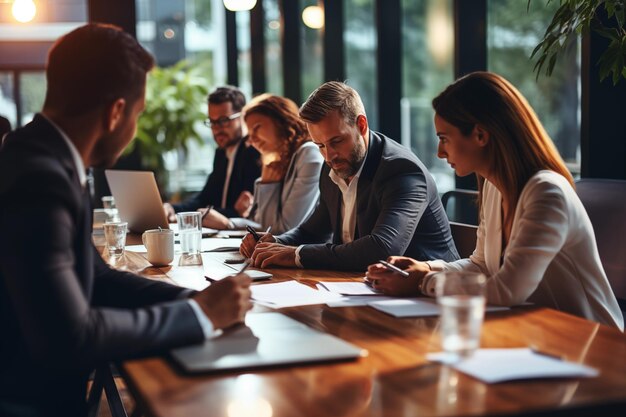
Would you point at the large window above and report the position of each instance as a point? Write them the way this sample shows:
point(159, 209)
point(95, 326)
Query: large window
point(273, 50)
point(427, 67)
point(312, 52)
point(513, 32)
point(360, 48)
point(192, 30)
point(23, 50)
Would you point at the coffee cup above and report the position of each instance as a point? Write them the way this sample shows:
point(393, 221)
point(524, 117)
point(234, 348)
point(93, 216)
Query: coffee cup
point(160, 246)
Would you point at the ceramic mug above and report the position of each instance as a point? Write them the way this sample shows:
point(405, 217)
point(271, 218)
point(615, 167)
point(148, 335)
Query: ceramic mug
point(160, 246)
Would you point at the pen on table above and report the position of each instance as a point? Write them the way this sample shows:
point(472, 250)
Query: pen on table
point(394, 268)
point(245, 266)
point(208, 209)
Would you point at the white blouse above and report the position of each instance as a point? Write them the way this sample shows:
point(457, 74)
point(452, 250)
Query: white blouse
point(551, 260)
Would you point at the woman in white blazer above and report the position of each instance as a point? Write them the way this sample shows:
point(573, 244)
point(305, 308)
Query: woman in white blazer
point(535, 242)
point(288, 189)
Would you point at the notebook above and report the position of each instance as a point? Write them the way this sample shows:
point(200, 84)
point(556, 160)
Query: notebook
point(267, 340)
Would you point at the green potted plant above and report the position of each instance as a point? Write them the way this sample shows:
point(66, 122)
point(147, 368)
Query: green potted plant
point(175, 107)
point(575, 17)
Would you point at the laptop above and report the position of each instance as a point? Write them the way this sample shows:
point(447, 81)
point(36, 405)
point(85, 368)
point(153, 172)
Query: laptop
point(267, 340)
point(137, 199)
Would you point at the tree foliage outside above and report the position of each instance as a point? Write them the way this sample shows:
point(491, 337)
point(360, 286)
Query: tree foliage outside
point(514, 28)
point(576, 17)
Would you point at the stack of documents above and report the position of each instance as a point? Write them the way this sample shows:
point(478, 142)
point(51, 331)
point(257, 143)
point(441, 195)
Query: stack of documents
point(290, 294)
point(497, 365)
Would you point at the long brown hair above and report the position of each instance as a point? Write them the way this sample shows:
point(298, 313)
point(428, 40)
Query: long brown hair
point(519, 146)
point(284, 113)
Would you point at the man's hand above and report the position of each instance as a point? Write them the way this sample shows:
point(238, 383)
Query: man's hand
point(226, 302)
point(244, 203)
point(266, 254)
point(392, 283)
point(248, 243)
point(169, 212)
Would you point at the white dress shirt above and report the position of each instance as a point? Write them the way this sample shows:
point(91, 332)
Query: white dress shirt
point(348, 206)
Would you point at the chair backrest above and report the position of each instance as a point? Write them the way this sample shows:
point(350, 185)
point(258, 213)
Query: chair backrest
point(464, 236)
point(461, 206)
point(605, 202)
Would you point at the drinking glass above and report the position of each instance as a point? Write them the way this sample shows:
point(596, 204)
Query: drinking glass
point(115, 235)
point(108, 204)
point(461, 297)
point(190, 232)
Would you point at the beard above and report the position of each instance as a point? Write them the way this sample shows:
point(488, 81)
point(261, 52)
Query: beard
point(347, 168)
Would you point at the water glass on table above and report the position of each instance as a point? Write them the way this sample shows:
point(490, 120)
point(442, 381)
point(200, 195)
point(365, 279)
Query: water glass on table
point(115, 236)
point(190, 232)
point(461, 297)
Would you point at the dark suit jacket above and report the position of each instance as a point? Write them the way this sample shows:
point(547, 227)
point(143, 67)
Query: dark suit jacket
point(62, 309)
point(398, 213)
point(246, 169)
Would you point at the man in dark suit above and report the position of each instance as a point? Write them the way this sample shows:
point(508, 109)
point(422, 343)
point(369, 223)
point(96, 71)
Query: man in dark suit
point(236, 165)
point(376, 198)
point(62, 309)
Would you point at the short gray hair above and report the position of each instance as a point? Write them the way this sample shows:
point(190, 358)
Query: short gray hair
point(331, 96)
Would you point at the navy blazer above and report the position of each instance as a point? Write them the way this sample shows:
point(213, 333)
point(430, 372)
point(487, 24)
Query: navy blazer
point(246, 169)
point(62, 309)
point(398, 213)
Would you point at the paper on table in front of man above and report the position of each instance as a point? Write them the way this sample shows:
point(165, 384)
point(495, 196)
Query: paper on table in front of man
point(290, 294)
point(347, 288)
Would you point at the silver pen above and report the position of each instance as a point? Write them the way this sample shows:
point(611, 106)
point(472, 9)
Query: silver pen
point(394, 268)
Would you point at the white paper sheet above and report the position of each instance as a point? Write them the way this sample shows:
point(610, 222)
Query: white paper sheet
point(207, 245)
point(356, 300)
point(415, 307)
point(290, 294)
point(347, 288)
point(498, 365)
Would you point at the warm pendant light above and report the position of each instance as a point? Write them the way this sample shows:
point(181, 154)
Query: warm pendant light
point(239, 5)
point(313, 17)
point(24, 10)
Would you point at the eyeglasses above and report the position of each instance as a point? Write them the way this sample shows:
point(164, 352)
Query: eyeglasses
point(222, 121)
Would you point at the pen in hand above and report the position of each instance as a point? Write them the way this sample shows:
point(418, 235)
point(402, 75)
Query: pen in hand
point(254, 234)
point(394, 268)
point(208, 210)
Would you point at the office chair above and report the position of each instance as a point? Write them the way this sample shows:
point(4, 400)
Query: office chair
point(461, 206)
point(605, 202)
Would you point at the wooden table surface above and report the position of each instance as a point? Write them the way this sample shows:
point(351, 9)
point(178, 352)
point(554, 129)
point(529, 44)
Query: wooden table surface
point(394, 379)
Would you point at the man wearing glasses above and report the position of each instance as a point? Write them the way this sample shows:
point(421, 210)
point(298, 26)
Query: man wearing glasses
point(235, 167)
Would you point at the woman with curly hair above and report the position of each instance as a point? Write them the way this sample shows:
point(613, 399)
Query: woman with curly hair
point(287, 191)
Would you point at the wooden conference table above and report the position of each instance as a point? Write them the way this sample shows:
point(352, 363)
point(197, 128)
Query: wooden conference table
point(395, 379)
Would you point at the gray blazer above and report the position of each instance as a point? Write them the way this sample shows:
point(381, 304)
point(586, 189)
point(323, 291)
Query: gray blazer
point(284, 205)
point(398, 213)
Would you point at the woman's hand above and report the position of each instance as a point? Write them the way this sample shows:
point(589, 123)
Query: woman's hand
point(244, 203)
point(392, 283)
point(273, 172)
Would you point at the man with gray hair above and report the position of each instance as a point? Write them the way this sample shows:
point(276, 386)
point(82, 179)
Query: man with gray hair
point(377, 199)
